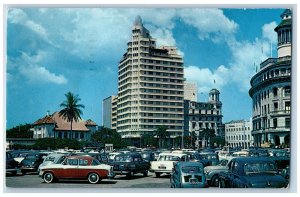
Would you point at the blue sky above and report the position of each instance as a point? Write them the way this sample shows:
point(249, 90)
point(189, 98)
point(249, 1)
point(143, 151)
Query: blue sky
point(51, 51)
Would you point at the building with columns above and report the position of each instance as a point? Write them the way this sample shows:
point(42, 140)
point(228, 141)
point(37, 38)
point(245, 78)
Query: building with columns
point(150, 87)
point(271, 91)
point(238, 134)
point(204, 115)
point(54, 126)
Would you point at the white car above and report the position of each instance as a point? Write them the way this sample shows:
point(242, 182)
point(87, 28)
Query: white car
point(165, 162)
point(54, 158)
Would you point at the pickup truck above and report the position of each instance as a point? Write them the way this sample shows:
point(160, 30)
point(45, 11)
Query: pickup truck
point(165, 162)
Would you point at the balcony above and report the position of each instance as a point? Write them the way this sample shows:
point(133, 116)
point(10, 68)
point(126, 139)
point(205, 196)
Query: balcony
point(267, 62)
point(280, 112)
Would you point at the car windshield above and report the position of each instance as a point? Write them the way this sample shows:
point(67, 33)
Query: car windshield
point(145, 155)
point(259, 168)
point(51, 158)
point(191, 169)
point(32, 157)
point(123, 158)
point(210, 156)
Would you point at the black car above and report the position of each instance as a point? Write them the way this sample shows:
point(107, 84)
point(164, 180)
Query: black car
point(32, 161)
point(129, 164)
point(251, 172)
point(12, 166)
point(148, 156)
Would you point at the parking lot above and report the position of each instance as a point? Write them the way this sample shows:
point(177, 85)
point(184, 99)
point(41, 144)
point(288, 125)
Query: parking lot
point(138, 181)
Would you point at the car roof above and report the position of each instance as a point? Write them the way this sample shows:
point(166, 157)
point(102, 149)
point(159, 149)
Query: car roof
point(189, 163)
point(252, 159)
point(172, 154)
point(80, 157)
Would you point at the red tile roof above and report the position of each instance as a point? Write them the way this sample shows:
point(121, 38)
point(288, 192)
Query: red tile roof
point(64, 125)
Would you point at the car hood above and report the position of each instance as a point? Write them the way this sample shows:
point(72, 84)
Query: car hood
point(265, 180)
point(210, 168)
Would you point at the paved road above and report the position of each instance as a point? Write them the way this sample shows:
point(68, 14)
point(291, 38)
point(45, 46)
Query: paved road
point(138, 181)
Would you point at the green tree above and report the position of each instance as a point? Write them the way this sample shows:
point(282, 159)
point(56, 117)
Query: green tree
point(21, 131)
point(207, 134)
point(108, 136)
point(148, 139)
point(71, 109)
point(218, 141)
point(50, 143)
point(161, 133)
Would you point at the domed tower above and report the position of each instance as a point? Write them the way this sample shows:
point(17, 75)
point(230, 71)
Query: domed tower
point(284, 34)
point(214, 95)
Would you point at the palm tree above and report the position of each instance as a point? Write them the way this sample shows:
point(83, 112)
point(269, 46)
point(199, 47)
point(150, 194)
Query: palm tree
point(162, 133)
point(71, 109)
point(207, 134)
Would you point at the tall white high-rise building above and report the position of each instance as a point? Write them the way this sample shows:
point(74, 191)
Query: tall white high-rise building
point(190, 91)
point(150, 87)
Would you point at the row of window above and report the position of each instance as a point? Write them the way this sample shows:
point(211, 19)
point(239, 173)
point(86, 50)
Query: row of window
point(284, 36)
point(206, 112)
point(164, 68)
point(151, 73)
point(167, 80)
point(266, 124)
point(204, 118)
point(237, 129)
point(238, 137)
point(272, 73)
point(159, 85)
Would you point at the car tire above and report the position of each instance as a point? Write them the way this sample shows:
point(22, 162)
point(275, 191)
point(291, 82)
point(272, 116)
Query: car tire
point(130, 174)
point(93, 178)
point(157, 174)
point(145, 173)
point(215, 181)
point(221, 183)
point(48, 177)
point(23, 172)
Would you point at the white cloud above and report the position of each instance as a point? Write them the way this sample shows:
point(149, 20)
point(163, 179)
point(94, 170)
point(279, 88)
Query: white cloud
point(269, 33)
point(30, 67)
point(40, 74)
point(206, 78)
point(18, 16)
point(210, 23)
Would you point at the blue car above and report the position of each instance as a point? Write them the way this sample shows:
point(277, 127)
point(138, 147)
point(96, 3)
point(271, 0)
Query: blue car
point(188, 175)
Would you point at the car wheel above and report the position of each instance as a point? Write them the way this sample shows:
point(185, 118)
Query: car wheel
point(221, 183)
point(48, 177)
point(157, 174)
point(23, 172)
point(131, 174)
point(145, 173)
point(93, 178)
point(215, 181)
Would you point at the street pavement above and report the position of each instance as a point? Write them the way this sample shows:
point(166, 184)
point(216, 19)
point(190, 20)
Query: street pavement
point(21, 182)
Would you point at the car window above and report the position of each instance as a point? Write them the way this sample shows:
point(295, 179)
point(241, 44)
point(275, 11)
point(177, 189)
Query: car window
point(95, 162)
point(51, 158)
point(33, 157)
point(83, 162)
point(8, 155)
point(250, 168)
point(123, 158)
point(72, 162)
point(191, 169)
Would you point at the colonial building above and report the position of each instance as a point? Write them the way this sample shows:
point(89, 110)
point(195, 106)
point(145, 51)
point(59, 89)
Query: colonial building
point(271, 91)
point(150, 87)
point(190, 91)
point(204, 115)
point(109, 112)
point(238, 133)
point(54, 126)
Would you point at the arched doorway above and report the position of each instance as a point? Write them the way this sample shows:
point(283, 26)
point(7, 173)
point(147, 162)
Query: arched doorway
point(287, 140)
point(276, 140)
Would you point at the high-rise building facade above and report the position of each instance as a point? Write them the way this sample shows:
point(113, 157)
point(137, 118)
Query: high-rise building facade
point(204, 115)
point(190, 91)
point(150, 87)
point(109, 112)
point(238, 133)
point(271, 91)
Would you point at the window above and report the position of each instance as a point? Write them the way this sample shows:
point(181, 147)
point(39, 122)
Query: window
point(73, 162)
point(287, 122)
point(83, 162)
point(287, 106)
point(274, 122)
point(287, 91)
point(275, 90)
point(275, 106)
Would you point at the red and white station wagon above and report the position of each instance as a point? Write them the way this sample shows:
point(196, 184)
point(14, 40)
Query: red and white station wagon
point(77, 167)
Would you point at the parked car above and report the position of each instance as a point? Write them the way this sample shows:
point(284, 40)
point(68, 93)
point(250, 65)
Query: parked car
point(12, 166)
point(148, 156)
point(19, 155)
point(251, 172)
point(31, 162)
point(213, 158)
point(76, 167)
point(188, 175)
point(54, 158)
point(165, 161)
point(129, 164)
point(198, 158)
point(212, 172)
